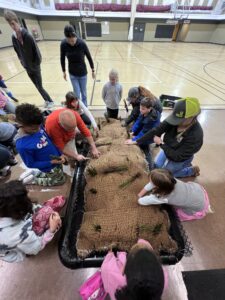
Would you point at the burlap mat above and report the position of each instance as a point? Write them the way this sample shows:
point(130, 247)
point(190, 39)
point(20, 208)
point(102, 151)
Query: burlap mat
point(113, 218)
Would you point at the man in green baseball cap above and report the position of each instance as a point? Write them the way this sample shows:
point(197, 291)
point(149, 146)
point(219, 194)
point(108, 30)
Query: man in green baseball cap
point(184, 109)
point(183, 137)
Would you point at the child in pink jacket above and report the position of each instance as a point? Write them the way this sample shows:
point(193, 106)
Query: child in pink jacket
point(138, 275)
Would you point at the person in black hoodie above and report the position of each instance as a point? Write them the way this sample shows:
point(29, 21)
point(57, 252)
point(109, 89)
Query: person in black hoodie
point(75, 50)
point(135, 95)
point(28, 54)
point(183, 137)
point(148, 118)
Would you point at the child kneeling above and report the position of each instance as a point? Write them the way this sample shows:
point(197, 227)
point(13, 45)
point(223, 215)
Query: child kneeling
point(36, 148)
point(21, 231)
point(149, 118)
point(189, 198)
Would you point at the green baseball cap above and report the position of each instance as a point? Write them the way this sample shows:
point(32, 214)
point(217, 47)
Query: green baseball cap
point(183, 109)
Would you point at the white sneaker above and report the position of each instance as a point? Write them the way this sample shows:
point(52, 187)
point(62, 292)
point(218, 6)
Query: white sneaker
point(25, 174)
point(29, 172)
point(5, 171)
point(49, 104)
point(29, 179)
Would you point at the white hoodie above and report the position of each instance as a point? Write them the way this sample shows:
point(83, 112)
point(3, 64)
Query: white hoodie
point(18, 239)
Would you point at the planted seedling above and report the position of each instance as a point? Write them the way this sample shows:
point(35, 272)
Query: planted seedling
point(129, 180)
point(92, 171)
point(97, 227)
point(93, 191)
point(116, 169)
point(144, 227)
point(128, 132)
point(157, 229)
point(106, 143)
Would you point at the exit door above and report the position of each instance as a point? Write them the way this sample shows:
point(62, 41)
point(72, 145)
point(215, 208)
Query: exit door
point(139, 32)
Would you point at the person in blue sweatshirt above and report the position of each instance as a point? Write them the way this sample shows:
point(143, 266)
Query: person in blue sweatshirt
point(149, 118)
point(36, 149)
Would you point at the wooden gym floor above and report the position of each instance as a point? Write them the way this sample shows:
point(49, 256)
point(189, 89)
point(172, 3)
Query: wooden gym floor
point(176, 69)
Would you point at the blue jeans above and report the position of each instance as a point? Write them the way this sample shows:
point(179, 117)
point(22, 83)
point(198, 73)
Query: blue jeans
point(79, 84)
point(178, 169)
point(148, 155)
point(5, 156)
point(8, 109)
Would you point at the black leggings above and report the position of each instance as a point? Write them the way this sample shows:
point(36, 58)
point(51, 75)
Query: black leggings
point(112, 113)
point(35, 77)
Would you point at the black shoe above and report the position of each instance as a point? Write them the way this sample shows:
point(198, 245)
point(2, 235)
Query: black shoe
point(106, 117)
point(5, 171)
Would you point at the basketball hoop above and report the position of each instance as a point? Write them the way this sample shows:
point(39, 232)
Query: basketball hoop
point(86, 9)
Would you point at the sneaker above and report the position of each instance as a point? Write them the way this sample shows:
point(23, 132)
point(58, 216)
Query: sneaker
point(5, 171)
point(29, 172)
point(196, 170)
point(29, 179)
point(13, 161)
point(49, 104)
point(106, 117)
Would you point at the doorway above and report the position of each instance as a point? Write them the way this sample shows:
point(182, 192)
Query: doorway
point(139, 32)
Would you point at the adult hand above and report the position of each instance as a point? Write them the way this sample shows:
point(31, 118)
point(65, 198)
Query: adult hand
point(55, 222)
point(130, 142)
point(80, 157)
point(64, 76)
point(93, 75)
point(95, 153)
point(157, 140)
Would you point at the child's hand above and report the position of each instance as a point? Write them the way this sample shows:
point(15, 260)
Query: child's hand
point(130, 142)
point(55, 222)
point(157, 140)
point(59, 161)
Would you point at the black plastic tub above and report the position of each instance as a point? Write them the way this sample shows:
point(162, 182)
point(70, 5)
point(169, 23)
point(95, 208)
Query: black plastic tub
point(168, 100)
point(73, 220)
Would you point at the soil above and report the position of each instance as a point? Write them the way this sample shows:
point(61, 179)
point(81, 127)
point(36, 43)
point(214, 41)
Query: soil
point(113, 218)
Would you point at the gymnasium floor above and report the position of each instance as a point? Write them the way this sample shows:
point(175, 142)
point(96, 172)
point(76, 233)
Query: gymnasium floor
point(176, 69)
